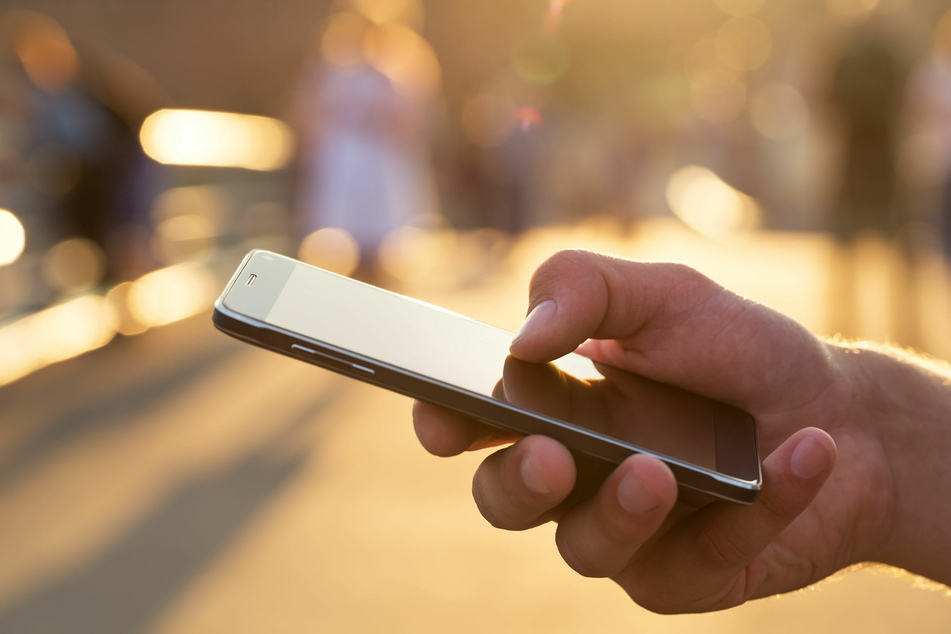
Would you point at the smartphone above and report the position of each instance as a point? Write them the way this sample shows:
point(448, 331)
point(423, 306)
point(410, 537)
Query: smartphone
point(601, 413)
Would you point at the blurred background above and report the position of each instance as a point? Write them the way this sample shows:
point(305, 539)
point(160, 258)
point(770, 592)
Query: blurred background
point(158, 476)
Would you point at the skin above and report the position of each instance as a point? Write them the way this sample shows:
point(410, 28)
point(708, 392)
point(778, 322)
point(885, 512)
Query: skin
point(832, 495)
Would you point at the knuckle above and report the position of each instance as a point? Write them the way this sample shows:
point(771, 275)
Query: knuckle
point(557, 267)
point(721, 549)
point(667, 598)
point(500, 500)
point(577, 554)
point(781, 507)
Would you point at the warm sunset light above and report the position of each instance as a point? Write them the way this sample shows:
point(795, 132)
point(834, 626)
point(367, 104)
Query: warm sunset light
point(55, 334)
point(171, 294)
point(708, 205)
point(217, 139)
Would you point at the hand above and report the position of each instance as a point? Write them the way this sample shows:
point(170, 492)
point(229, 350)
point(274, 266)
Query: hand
point(671, 324)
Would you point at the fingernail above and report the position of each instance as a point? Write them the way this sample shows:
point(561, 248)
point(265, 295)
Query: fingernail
point(539, 316)
point(530, 476)
point(633, 496)
point(809, 459)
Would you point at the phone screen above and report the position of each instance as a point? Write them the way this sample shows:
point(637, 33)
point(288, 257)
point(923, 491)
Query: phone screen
point(449, 348)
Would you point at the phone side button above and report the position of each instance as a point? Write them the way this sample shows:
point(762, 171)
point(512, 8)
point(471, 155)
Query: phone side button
point(355, 366)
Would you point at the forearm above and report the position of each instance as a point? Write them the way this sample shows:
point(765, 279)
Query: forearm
point(905, 402)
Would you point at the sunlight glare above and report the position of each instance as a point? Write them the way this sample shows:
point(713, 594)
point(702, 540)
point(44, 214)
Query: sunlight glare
point(216, 139)
point(12, 238)
point(710, 206)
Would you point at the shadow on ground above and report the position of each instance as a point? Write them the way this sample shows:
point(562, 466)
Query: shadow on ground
point(128, 585)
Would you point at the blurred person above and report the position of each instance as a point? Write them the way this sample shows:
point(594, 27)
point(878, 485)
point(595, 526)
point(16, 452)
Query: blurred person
point(855, 439)
point(867, 93)
point(83, 144)
point(363, 159)
point(930, 127)
point(512, 183)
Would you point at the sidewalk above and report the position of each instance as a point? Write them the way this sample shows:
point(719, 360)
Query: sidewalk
point(181, 481)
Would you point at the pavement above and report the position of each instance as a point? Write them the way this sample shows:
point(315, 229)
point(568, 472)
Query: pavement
point(181, 481)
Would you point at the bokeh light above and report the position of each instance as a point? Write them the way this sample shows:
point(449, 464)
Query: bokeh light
point(744, 44)
point(52, 335)
point(74, 265)
point(851, 10)
point(44, 49)
point(708, 205)
point(121, 317)
point(217, 139)
point(206, 201)
point(405, 58)
point(408, 12)
point(410, 253)
point(740, 8)
point(702, 56)
point(342, 42)
point(942, 34)
point(718, 94)
point(187, 221)
point(12, 238)
point(332, 249)
point(779, 112)
point(171, 294)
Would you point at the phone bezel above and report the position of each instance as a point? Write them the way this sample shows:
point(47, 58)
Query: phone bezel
point(241, 311)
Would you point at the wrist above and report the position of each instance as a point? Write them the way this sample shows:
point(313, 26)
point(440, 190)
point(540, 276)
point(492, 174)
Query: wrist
point(899, 427)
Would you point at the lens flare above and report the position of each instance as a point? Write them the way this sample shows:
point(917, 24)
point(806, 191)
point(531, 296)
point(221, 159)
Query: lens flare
point(554, 14)
point(528, 117)
point(540, 59)
point(12, 238)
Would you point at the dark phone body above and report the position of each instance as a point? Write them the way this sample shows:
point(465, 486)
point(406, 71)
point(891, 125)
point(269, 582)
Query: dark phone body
point(247, 309)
